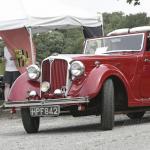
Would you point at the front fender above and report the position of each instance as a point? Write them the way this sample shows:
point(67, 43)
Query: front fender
point(21, 87)
point(93, 82)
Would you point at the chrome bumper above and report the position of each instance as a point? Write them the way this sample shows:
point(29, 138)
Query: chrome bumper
point(47, 102)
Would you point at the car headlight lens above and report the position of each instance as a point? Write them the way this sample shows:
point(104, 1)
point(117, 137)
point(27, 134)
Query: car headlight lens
point(33, 72)
point(77, 68)
point(45, 86)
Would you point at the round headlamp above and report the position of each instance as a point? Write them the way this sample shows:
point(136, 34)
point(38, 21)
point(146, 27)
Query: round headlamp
point(45, 86)
point(77, 68)
point(33, 72)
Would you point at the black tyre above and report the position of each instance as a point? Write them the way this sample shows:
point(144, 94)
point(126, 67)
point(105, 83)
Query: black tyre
point(31, 124)
point(107, 105)
point(136, 115)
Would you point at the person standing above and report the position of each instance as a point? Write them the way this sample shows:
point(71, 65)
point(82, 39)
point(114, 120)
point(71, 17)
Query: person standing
point(11, 73)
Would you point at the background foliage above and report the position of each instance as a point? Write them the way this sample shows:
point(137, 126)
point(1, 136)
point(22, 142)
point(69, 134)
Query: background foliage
point(135, 2)
point(118, 20)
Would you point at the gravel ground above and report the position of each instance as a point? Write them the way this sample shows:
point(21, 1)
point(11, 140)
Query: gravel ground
point(68, 133)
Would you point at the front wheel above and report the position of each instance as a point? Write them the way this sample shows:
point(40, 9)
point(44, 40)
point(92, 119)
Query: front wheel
point(107, 105)
point(31, 124)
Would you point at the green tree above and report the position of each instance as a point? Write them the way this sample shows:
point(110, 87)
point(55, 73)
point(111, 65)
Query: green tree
point(117, 20)
point(135, 20)
point(135, 2)
point(48, 43)
point(65, 41)
point(73, 39)
point(113, 21)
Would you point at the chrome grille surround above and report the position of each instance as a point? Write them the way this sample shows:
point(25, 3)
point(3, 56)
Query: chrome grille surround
point(51, 61)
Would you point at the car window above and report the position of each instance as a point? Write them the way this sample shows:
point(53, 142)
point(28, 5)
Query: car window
point(132, 42)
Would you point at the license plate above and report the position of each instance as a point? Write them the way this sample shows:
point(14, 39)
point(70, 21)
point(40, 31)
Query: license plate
point(45, 111)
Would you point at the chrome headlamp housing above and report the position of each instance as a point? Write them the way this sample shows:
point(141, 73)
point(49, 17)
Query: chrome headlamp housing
point(45, 86)
point(77, 68)
point(33, 72)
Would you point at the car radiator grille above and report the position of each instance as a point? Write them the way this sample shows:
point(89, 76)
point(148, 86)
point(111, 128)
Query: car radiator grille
point(55, 72)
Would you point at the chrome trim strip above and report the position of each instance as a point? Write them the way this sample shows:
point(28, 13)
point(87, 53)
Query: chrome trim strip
point(42, 74)
point(68, 81)
point(50, 69)
point(41, 78)
point(48, 102)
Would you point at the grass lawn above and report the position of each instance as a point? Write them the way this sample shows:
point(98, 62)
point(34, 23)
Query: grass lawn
point(1, 68)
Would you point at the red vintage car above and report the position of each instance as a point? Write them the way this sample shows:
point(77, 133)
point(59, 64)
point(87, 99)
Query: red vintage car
point(112, 76)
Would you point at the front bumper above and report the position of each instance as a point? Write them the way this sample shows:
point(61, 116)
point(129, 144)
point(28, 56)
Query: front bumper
point(48, 102)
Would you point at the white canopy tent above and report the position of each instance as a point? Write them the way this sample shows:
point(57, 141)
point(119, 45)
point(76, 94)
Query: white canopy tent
point(19, 13)
point(49, 23)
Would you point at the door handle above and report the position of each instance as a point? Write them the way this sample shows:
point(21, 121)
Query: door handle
point(146, 60)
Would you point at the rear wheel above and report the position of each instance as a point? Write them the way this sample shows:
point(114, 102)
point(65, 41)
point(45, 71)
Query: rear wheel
point(136, 115)
point(31, 124)
point(107, 105)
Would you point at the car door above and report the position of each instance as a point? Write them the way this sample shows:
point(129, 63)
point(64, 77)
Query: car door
point(145, 74)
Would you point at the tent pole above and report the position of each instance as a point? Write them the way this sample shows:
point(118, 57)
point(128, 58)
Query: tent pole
point(102, 25)
point(32, 48)
point(100, 19)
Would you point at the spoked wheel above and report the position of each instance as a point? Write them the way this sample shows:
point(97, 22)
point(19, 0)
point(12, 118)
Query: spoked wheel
point(107, 108)
point(136, 115)
point(31, 124)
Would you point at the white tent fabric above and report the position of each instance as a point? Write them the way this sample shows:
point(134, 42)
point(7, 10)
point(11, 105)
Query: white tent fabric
point(56, 16)
point(13, 24)
point(61, 22)
point(49, 23)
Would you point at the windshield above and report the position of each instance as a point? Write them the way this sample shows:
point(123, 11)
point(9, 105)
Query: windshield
point(132, 42)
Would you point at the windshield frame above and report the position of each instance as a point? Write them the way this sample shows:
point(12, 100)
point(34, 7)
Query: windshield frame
point(115, 51)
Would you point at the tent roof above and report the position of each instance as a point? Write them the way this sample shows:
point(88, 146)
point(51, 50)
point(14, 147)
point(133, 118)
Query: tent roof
point(44, 16)
point(42, 24)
